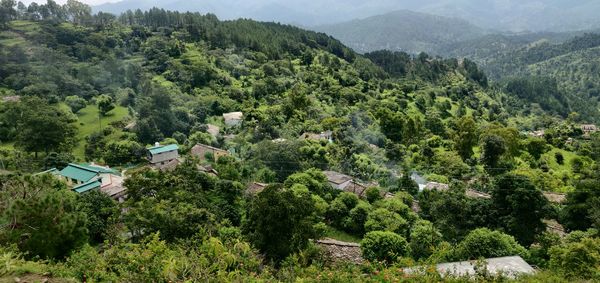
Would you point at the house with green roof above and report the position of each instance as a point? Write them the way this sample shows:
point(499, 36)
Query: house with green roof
point(160, 155)
point(87, 177)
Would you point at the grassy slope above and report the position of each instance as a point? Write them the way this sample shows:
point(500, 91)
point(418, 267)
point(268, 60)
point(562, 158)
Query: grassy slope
point(88, 123)
point(340, 235)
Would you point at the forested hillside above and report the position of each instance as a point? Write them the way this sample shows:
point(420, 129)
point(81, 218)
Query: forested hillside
point(275, 137)
point(403, 30)
point(568, 71)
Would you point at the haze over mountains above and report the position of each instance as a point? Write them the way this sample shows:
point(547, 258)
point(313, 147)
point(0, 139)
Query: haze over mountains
point(505, 15)
point(403, 30)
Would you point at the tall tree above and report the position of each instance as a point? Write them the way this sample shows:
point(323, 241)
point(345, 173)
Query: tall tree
point(280, 222)
point(45, 224)
point(7, 12)
point(520, 207)
point(42, 127)
point(465, 137)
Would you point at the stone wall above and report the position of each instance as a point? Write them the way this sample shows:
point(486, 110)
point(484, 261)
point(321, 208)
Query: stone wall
point(338, 251)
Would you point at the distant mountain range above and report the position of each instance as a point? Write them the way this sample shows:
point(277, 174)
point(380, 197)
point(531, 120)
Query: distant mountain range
point(504, 15)
point(404, 30)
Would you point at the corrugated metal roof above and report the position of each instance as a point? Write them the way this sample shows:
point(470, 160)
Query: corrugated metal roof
point(163, 148)
point(95, 184)
point(100, 169)
point(78, 173)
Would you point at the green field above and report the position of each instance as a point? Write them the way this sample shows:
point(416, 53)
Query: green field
point(90, 122)
point(340, 235)
point(566, 167)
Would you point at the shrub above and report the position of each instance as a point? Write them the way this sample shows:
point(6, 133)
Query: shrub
point(384, 246)
point(484, 243)
point(579, 259)
point(384, 220)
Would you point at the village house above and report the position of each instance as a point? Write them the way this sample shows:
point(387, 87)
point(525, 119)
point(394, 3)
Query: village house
point(589, 129)
point(208, 170)
point(557, 198)
point(347, 184)
point(14, 98)
point(204, 152)
point(233, 119)
point(430, 186)
point(538, 134)
point(477, 194)
point(255, 188)
point(83, 178)
point(338, 180)
point(328, 135)
point(160, 155)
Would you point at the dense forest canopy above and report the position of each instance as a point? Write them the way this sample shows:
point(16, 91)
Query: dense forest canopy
point(437, 163)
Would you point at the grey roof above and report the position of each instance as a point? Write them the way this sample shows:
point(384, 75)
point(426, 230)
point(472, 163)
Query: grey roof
point(436, 186)
point(213, 130)
point(511, 266)
point(336, 177)
point(233, 116)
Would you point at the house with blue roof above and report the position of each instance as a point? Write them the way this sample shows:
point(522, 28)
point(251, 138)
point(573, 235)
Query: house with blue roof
point(160, 155)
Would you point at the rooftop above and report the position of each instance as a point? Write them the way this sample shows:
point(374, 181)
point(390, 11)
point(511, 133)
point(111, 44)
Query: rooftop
point(95, 184)
point(336, 177)
point(79, 173)
point(197, 146)
point(163, 148)
point(233, 116)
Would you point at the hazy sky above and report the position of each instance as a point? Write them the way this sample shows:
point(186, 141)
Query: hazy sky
point(91, 2)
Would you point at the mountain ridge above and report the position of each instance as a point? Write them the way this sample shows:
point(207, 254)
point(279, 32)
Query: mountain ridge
point(402, 30)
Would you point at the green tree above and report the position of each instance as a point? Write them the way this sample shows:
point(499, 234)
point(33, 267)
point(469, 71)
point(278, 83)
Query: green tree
point(578, 259)
point(76, 103)
point(7, 12)
point(101, 212)
point(174, 220)
point(355, 223)
point(43, 127)
point(407, 184)
point(484, 243)
point(313, 179)
point(48, 225)
point(465, 136)
point(78, 12)
point(519, 207)
point(492, 147)
point(280, 222)
point(123, 152)
point(384, 246)
point(105, 104)
point(339, 209)
point(384, 220)
point(424, 239)
point(536, 147)
point(580, 206)
point(373, 194)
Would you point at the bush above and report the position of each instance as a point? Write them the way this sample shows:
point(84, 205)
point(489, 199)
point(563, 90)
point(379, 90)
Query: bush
point(373, 194)
point(579, 259)
point(424, 238)
point(484, 243)
point(384, 246)
point(384, 220)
